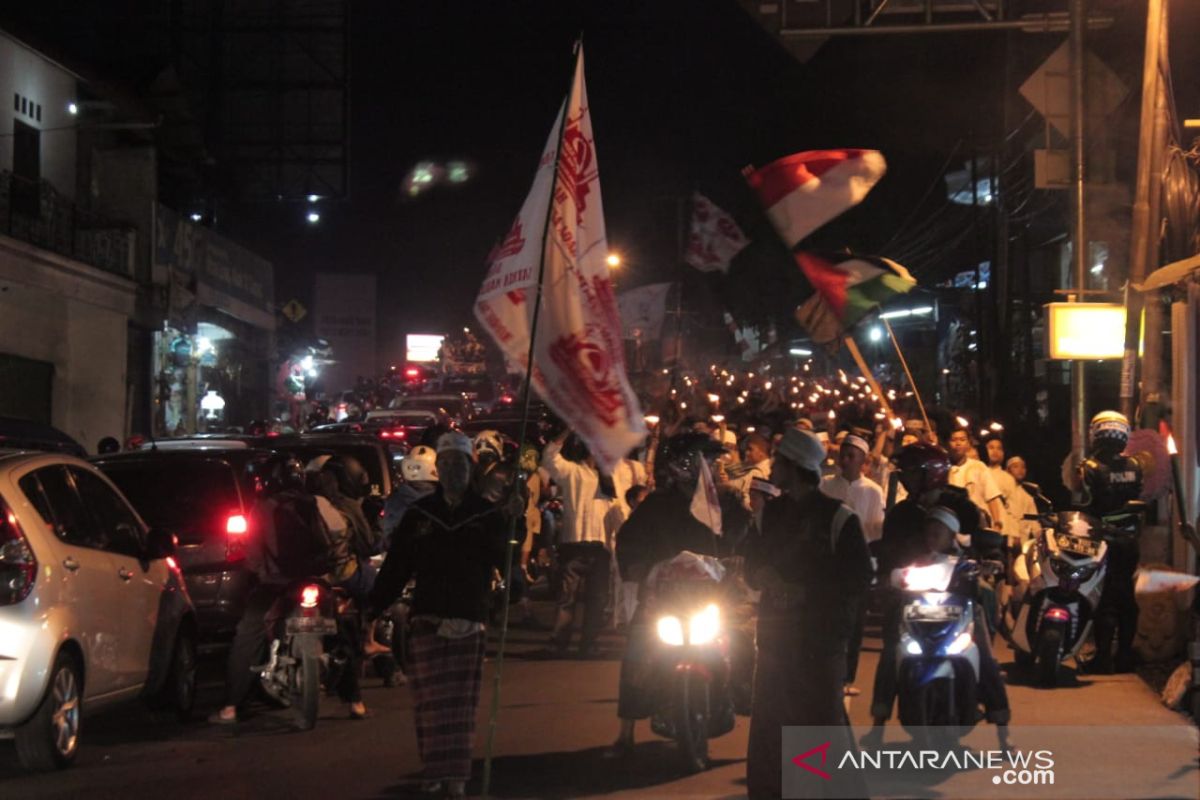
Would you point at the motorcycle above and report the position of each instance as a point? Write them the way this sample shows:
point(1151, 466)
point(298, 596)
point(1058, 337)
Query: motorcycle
point(938, 660)
point(1060, 576)
point(304, 645)
point(693, 666)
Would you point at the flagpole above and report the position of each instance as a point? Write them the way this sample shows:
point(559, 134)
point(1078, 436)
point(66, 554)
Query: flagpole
point(510, 546)
point(852, 346)
point(904, 363)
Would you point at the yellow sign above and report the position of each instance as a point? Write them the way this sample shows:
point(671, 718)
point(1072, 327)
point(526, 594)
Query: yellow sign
point(1088, 331)
point(295, 311)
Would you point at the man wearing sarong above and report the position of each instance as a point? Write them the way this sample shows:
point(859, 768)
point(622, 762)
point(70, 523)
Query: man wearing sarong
point(449, 542)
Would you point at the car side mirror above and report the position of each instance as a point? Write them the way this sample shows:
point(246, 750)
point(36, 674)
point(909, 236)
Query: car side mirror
point(160, 543)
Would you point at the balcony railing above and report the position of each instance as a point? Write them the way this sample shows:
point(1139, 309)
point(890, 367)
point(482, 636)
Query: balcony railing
point(39, 214)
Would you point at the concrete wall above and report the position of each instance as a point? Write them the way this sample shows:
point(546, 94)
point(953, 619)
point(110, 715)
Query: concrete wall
point(75, 317)
point(27, 73)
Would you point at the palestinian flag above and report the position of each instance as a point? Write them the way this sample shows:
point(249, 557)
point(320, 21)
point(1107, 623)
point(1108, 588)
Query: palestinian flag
point(847, 289)
point(802, 192)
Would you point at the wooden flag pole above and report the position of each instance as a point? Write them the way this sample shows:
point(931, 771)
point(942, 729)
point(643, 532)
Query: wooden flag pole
point(904, 363)
point(852, 346)
point(510, 547)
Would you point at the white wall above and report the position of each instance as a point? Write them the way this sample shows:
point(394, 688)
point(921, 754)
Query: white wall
point(24, 71)
point(75, 317)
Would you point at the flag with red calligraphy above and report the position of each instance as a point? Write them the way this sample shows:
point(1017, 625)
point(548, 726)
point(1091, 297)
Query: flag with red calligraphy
point(578, 364)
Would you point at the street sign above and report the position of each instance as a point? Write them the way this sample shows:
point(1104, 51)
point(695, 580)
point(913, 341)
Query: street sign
point(1048, 89)
point(294, 310)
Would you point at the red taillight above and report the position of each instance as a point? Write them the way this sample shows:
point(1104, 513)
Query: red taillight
point(172, 563)
point(18, 566)
point(309, 596)
point(236, 525)
point(412, 373)
point(272, 434)
point(1058, 614)
point(385, 434)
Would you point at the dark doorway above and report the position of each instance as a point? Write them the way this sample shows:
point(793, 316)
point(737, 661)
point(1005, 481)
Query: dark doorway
point(27, 168)
point(25, 388)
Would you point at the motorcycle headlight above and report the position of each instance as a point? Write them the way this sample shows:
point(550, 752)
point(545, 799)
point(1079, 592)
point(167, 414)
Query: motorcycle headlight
point(960, 643)
point(704, 626)
point(913, 648)
point(670, 631)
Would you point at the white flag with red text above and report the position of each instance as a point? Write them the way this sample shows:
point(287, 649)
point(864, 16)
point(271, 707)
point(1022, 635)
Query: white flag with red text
point(714, 238)
point(578, 359)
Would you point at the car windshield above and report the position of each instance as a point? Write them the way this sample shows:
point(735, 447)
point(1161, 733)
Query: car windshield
point(192, 499)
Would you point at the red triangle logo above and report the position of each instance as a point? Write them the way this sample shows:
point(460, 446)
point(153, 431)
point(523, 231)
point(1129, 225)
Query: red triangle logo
point(823, 749)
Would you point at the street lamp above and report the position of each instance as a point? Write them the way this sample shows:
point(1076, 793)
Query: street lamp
point(613, 260)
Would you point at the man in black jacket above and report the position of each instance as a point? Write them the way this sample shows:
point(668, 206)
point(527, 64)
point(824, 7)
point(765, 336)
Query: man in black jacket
point(811, 562)
point(449, 543)
point(659, 529)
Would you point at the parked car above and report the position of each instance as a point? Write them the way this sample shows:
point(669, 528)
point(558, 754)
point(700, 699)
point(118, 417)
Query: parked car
point(93, 608)
point(21, 434)
point(204, 494)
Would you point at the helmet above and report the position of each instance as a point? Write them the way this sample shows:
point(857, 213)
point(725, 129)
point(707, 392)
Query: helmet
point(677, 464)
point(420, 464)
point(1109, 431)
point(287, 474)
point(352, 478)
point(489, 441)
point(929, 461)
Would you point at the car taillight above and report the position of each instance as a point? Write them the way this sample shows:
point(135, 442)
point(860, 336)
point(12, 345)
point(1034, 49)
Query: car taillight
point(18, 566)
point(309, 596)
point(236, 528)
point(412, 373)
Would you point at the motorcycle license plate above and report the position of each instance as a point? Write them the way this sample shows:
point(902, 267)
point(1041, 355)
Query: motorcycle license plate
point(923, 613)
point(1077, 544)
point(321, 625)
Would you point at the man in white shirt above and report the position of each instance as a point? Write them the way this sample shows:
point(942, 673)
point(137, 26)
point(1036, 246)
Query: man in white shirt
point(757, 464)
point(1022, 501)
point(970, 474)
point(865, 498)
point(994, 453)
point(584, 558)
point(863, 495)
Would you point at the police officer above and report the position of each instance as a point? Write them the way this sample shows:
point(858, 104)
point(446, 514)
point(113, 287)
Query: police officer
point(1110, 481)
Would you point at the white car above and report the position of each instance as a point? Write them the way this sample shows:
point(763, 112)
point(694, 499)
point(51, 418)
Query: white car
point(93, 608)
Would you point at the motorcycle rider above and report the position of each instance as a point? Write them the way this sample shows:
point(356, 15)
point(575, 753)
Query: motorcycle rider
point(1110, 481)
point(419, 470)
point(291, 543)
point(660, 528)
point(941, 536)
point(924, 471)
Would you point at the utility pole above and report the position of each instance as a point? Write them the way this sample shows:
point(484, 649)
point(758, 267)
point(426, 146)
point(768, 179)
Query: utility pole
point(1142, 233)
point(1079, 240)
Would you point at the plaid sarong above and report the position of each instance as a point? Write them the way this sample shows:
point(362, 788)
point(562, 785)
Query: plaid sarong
point(445, 677)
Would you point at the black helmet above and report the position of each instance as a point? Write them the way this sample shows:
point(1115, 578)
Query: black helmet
point(930, 461)
point(352, 478)
point(677, 464)
point(287, 474)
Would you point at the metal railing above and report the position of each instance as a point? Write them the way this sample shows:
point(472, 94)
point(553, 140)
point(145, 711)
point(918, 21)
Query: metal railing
point(37, 213)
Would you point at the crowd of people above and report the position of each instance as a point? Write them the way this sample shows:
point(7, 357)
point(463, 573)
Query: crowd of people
point(821, 485)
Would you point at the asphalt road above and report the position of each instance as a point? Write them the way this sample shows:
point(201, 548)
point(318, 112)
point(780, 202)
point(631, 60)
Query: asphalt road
point(557, 717)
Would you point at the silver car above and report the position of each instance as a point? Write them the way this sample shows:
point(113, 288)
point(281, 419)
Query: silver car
point(93, 609)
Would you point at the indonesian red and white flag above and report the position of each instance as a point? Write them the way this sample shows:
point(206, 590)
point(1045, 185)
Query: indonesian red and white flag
point(802, 192)
point(578, 359)
point(714, 238)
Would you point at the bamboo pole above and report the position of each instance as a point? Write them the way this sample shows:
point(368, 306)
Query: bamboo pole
point(511, 543)
point(852, 346)
point(908, 373)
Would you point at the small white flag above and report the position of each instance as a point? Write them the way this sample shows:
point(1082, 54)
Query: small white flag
point(706, 506)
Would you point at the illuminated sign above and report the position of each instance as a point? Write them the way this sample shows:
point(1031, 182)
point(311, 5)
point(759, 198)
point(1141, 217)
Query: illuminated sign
point(1091, 331)
point(422, 347)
